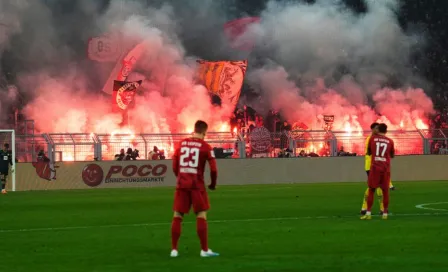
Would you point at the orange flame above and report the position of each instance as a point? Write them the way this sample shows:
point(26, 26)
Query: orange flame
point(348, 128)
point(67, 154)
point(419, 124)
point(224, 127)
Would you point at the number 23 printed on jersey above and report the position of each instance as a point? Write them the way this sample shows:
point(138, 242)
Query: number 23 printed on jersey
point(189, 160)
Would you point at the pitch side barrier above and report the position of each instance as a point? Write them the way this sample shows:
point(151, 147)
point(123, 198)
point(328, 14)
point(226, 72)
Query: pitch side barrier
point(259, 143)
point(135, 174)
point(65, 147)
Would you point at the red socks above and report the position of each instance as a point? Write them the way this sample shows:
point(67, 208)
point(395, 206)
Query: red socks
point(202, 229)
point(176, 228)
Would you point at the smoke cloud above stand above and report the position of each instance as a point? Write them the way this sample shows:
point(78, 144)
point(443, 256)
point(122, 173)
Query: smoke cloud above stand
point(309, 60)
point(324, 59)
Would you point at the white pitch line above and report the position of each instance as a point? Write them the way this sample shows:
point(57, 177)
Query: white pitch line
point(423, 206)
point(236, 189)
point(210, 221)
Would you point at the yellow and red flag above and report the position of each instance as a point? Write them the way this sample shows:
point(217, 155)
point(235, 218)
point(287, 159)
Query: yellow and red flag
point(223, 78)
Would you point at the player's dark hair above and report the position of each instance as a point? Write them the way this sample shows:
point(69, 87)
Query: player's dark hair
point(200, 127)
point(6, 146)
point(374, 125)
point(382, 128)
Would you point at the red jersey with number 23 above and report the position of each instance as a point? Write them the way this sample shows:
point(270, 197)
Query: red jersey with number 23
point(189, 164)
point(382, 149)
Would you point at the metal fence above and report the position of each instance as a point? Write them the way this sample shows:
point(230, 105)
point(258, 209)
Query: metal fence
point(435, 141)
point(313, 143)
point(259, 143)
point(351, 143)
point(73, 146)
point(28, 146)
point(111, 145)
point(406, 142)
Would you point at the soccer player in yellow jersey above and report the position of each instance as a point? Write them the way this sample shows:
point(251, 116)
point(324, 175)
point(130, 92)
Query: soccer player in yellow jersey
point(368, 161)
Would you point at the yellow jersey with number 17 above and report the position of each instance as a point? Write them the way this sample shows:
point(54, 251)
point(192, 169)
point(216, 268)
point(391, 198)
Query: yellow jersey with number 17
point(368, 158)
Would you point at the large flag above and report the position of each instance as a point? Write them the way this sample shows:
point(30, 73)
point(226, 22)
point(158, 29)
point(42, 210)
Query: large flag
point(223, 78)
point(125, 65)
point(105, 48)
point(123, 95)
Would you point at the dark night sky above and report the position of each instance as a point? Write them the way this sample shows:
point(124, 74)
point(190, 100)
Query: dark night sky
point(425, 16)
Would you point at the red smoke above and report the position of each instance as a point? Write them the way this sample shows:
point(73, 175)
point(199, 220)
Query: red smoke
point(168, 100)
point(400, 109)
point(313, 38)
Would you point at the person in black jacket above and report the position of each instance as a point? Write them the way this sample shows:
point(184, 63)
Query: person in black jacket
point(5, 162)
point(284, 137)
point(121, 156)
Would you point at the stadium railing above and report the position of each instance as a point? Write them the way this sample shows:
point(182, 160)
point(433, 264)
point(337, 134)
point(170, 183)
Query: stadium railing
point(73, 146)
point(28, 146)
point(435, 141)
point(318, 142)
point(261, 144)
point(89, 147)
point(110, 145)
point(409, 142)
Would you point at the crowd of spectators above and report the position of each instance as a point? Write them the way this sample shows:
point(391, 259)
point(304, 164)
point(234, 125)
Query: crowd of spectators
point(132, 155)
point(440, 119)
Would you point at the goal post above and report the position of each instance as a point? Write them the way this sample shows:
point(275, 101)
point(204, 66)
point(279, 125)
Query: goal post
point(8, 136)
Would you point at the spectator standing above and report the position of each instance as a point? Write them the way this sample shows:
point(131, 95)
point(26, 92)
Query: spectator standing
point(154, 154)
point(285, 130)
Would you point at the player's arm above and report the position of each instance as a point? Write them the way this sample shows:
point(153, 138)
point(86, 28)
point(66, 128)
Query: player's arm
point(176, 162)
point(213, 169)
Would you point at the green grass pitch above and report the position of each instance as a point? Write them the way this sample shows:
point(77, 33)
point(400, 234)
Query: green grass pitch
point(298, 227)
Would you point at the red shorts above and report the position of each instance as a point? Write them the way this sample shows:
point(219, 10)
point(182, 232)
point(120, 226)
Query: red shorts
point(379, 179)
point(184, 199)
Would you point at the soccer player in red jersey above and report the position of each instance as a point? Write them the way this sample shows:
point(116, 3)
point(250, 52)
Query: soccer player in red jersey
point(188, 165)
point(382, 150)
